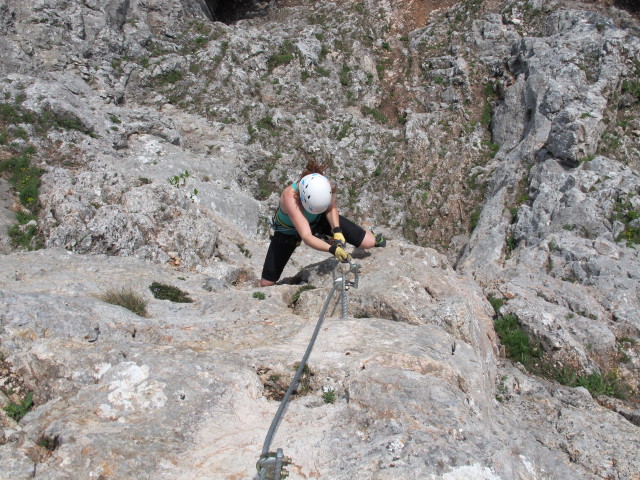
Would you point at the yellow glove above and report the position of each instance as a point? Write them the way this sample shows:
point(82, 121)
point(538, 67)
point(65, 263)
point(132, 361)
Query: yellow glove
point(340, 253)
point(339, 237)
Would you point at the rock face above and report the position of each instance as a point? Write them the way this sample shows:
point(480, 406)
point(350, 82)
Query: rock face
point(414, 381)
point(503, 133)
point(573, 276)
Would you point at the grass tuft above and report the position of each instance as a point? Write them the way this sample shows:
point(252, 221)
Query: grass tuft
point(127, 298)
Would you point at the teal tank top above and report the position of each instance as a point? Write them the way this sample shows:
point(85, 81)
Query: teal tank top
point(282, 222)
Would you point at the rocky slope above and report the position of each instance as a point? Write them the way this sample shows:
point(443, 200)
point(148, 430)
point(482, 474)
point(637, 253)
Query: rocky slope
point(504, 135)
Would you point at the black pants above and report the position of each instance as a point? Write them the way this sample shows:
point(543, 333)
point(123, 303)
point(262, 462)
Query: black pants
point(282, 246)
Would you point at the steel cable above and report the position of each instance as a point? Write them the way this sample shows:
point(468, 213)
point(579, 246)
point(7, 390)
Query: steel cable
point(296, 378)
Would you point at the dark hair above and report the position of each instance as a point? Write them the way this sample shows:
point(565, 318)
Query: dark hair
point(313, 166)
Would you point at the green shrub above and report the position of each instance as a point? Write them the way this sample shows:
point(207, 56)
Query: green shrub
point(266, 123)
point(516, 342)
point(19, 410)
point(376, 114)
point(25, 236)
point(519, 347)
point(345, 76)
point(475, 217)
point(168, 292)
point(487, 114)
point(282, 57)
point(625, 213)
point(24, 178)
point(496, 303)
point(127, 298)
point(259, 295)
point(632, 87)
point(48, 443)
point(169, 78)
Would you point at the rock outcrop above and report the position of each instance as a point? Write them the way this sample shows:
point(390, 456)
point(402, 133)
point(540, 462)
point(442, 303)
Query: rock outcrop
point(500, 139)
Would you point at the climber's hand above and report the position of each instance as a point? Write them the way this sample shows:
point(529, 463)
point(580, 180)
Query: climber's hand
point(340, 253)
point(339, 237)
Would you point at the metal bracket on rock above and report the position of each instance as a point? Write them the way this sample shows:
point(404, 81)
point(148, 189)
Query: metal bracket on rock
point(271, 466)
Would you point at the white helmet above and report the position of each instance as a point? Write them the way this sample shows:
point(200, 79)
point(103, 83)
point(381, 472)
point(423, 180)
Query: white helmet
point(315, 193)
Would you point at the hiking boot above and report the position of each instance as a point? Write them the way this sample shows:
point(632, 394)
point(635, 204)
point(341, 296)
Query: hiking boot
point(380, 241)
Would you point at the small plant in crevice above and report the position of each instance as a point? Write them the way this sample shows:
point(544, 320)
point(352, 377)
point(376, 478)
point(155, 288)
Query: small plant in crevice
point(329, 395)
point(304, 383)
point(259, 295)
point(169, 78)
point(510, 245)
point(244, 250)
point(162, 291)
point(296, 296)
point(503, 391)
point(276, 382)
point(624, 212)
point(48, 443)
point(127, 298)
point(243, 276)
point(474, 219)
point(283, 56)
point(377, 115)
point(179, 180)
point(496, 303)
point(18, 410)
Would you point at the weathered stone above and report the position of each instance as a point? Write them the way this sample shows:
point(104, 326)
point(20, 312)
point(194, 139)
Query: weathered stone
point(170, 127)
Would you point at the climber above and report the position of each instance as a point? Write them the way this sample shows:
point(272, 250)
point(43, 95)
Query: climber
point(307, 211)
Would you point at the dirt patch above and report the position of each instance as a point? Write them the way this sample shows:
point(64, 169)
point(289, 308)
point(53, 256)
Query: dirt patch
point(417, 12)
point(276, 381)
point(10, 382)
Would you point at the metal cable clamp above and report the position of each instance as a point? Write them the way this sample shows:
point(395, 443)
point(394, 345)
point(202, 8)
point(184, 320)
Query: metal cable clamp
point(344, 282)
point(271, 466)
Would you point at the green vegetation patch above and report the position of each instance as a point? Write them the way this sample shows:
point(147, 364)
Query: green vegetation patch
point(282, 57)
point(521, 348)
point(345, 76)
point(22, 174)
point(630, 218)
point(19, 410)
point(25, 234)
point(162, 291)
point(13, 114)
point(24, 177)
point(632, 87)
point(375, 113)
point(169, 78)
point(596, 383)
point(516, 342)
